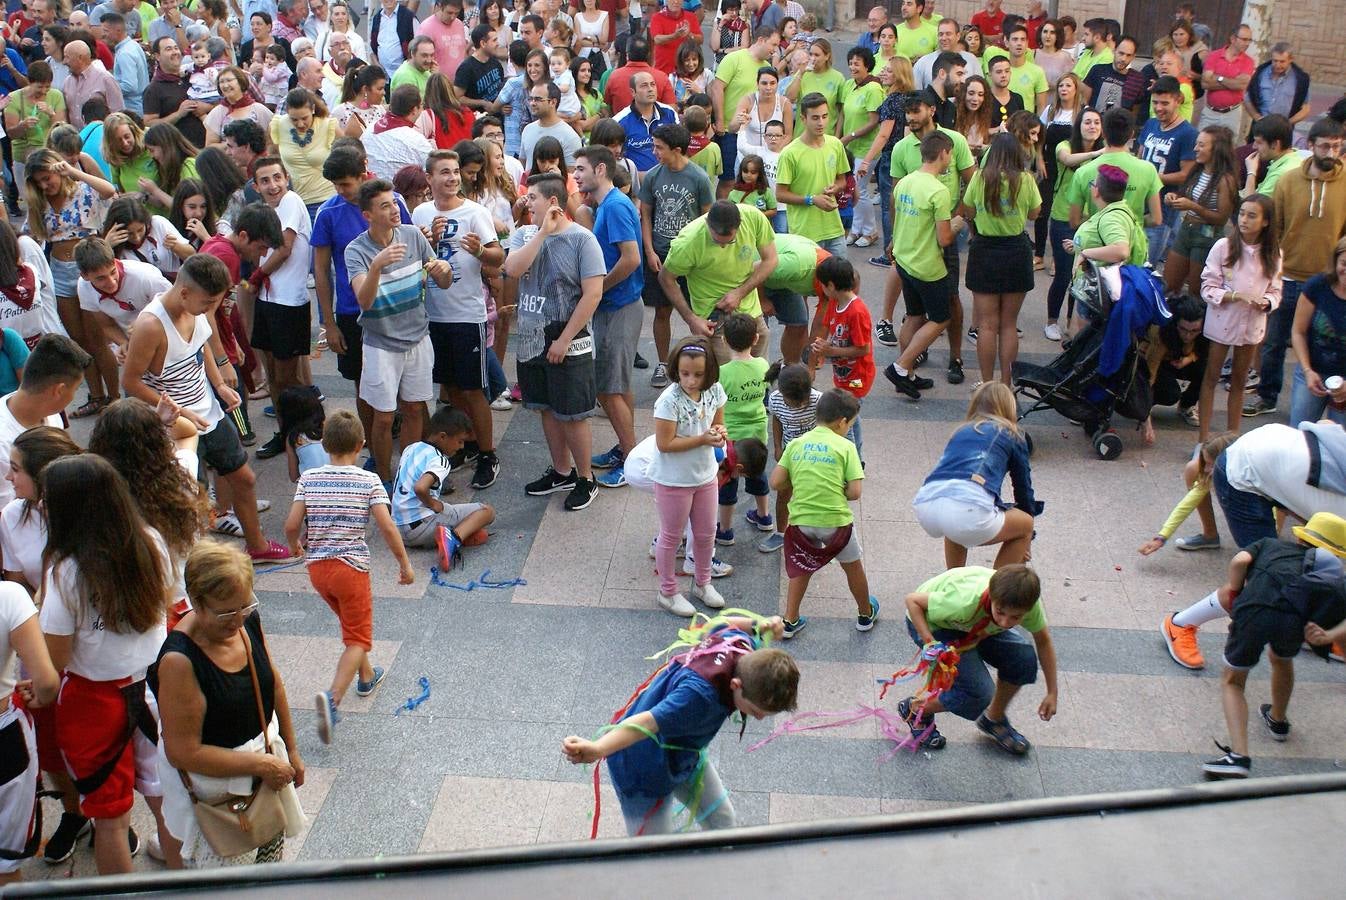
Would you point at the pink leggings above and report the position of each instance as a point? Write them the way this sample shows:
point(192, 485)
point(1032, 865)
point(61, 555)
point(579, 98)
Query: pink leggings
point(675, 505)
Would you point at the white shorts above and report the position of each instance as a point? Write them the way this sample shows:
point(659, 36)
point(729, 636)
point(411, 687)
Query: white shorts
point(18, 783)
point(390, 375)
point(964, 522)
point(821, 537)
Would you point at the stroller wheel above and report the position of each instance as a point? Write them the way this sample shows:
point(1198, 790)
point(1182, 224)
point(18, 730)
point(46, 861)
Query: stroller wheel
point(1108, 444)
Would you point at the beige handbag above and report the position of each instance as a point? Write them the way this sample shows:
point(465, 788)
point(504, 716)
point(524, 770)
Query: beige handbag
point(237, 824)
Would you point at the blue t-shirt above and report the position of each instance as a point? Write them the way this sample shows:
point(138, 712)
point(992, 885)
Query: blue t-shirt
point(337, 223)
point(7, 82)
point(615, 221)
point(13, 357)
point(1167, 150)
point(1327, 328)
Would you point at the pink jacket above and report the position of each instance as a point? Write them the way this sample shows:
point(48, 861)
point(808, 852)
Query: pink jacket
point(1240, 323)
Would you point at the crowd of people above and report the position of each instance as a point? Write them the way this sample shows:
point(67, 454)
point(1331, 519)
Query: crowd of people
point(193, 184)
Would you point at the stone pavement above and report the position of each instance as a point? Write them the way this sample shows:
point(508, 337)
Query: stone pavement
point(514, 671)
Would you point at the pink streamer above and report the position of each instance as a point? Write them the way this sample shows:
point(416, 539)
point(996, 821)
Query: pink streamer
point(892, 726)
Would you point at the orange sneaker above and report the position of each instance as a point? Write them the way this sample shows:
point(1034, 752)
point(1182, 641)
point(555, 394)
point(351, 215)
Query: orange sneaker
point(1181, 643)
point(1338, 652)
point(476, 538)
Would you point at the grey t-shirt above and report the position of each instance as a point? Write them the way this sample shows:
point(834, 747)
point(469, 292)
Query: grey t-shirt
point(132, 18)
point(674, 199)
point(551, 288)
point(533, 131)
point(397, 321)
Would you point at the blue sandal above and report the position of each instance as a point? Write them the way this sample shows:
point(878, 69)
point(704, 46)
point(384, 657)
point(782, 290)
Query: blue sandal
point(1004, 734)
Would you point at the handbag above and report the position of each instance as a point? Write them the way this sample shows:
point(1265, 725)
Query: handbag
point(237, 824)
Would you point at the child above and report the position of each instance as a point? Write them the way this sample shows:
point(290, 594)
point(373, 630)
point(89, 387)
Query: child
point(680, 712)
point(848, 336)
point(202, 84)
point(688, 426)
point(300, 414)
point(774, 135)
point(752, 189)
point(1279, 594)
point(703, 149)
point(570, 107)
point(793, 409)
point(975, 609)
point(422, 476)
point(822, 472)
point(333, 505)
point(743, 378)
point(275, 80)
point(1197, 475)
point(846, 196)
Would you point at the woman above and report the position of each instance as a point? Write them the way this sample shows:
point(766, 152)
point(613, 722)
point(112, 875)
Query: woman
point(690, 77)
point(362, 99)
point(974, 114)
point(493, 14)
point(32, 113)
point(1051, 53)
point(66, 205)
point(591, 98)
point(1206, 200)
point(24, 306)
point(412, 185)
point(896, 79)
point(536, 71)
point(861, 97)
point(223, 181)
point(1178, 352)
point(339, 22)
point(730, 30)
point(1316, 335)
point(174, 159)
point(215, 16)
point(1000, 199)
point(1086, 143)
point(105, 597)
point(1059, 120)
point(213, 670)
point(124, 149)
point(236, 102)
point(1027, 130)
point(191, 214)
point(54, 39)
point(1113, 235)
point(887, 49)
point(445, 120)
point(819, 77)
point(303, 136)
point(960, 499)
point(755, 110)
point(591, 33)
point(1189, 49)
point(136, 233)
point(974, 42)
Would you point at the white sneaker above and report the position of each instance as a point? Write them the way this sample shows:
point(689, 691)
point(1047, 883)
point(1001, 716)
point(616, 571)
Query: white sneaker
point(677, 605)
point(708, 596)
point(153, 849)
point(718, 567)
point(654, 547)
point(501, 403)
point(1052, 331)
point(228, 524)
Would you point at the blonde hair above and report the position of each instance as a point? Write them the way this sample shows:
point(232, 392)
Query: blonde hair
point(42, 160)
point(904, 80)
point(217, 573)
point(111, 152)
point(1211, 450)
point(994, 402)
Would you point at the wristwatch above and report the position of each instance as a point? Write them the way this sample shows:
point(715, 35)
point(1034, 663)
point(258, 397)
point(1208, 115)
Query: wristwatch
point(1220, 79)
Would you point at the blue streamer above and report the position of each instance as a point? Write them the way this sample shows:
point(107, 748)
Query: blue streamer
point(485, 581)
point(412, 702)
point(281, 568)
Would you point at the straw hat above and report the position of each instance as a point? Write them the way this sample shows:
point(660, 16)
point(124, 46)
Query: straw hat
point(1324, 530)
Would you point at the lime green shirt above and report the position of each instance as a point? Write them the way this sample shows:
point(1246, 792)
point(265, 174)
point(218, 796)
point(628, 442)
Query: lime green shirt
point(764, 199)
point(1088, 60)
point(1142, 182)
point(710, 160)
point(1008, 220)
point(713, 270)
point(738, 71)
point(1060, 195)
point(919, 201)
point(828, 83)
point(820, 464)
point(745, 387)
point(954, 601)
point(989, 54)
point(1028, 81)
point(127, 177)
point(1278, 167)
point(857, 105)
point(907, 159)
point(409, 74)
point(1113, 223)
point(34, 138)
point(796, 264)
point(811, 170)
point(913, 43)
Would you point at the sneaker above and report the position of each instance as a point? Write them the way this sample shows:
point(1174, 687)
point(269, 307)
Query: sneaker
point(677, 605)
point(1197, 541)
point(761, 523)
point(923, 729)
point(613, 478)
point(1181, 643)
point(328, 717)
point(885, 334)
point(903, 383)
point(275, 446)
point(718, 567)
point(581, 495)
point(488, 467)
point(1337, 652)
point(263, 505)
point(707, 596)
point(771, 543)
point(1227, 369)
point(955, 373)
point(153, 848)
point(1052, 331)
point(609, 459)
point(227, 524)
point(450, 548)
point(725, 537)
point(866, 623)
point(515, 393)
point(550, 482)
point(365, 688)
point(1279, 730)
point(921, 358)
point(1231, 765)
point(1252, 381)
point(678, 554)
point(880, 262)
point(972, 336)
point(641, 362)
point(1257, 405)
point(464, 455)
point(273, 552)
point(501, 403)
point(269, 411)
point(660, 377)
point(61, 844)
point(1191, 416)
point(922, 384)
point(793, 628)
point(248, 438)
point(132, 840)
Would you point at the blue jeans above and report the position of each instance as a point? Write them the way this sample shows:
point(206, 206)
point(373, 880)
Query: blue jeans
point(1251, 517)
point(837, 245)
point(1277, 338)
point(779, 223)
point(496, 382)
point(885, 178)
point(1305, 406)
point(1013, 657)
point(856, 438)
point(1161, 236)
point(1060, 231)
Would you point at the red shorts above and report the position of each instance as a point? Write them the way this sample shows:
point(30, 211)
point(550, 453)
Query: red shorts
point(48, 752)
point(90, 727)
point(350, 595)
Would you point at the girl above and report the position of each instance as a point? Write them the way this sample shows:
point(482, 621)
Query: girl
point(586, 88)
point(755, 110)
point(751, 188)
point(1207, 200)
point(960, 500)
point(1316, 335)
point(1086, 142)
point(1197, 476)
point(494, 188)
point(999, 200)
point(25, 304)
point(275, 80)
point(887, 49)
point(1177, 353)
point(301, 416)
point(792, 406)
point(303, 135)
point(819, 77)
point(974, 114)
point(688, 427)
point(728, 32)
point(1059, 120)
point(1027, 130)
point(361, 100)
point(861, 97)
point(124, 149)
point(896, 79)
point(174, 158)
point(549, 156)
point(445, 120)
point(65, 140)
point(191, 214)
point(690, 77)
point(1051, 55)
point(135, 233)
point(1241, 285)
point(23, 528)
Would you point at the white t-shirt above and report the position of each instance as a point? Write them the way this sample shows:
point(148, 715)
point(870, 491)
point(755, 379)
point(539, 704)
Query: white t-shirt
point(687, 468)
point(465, 299)
point(155, 250)
point(514, 169)
point(10, 428)
point(141, 282)
point(570, 100)
point(1273, 461)
point(23, 540)
point(31, 253)
point(417, 460)
point(16, 607)
point(288, 285)
point(100, 654)
point(535, 131)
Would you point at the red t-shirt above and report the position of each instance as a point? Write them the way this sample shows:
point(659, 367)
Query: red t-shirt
point(618, 93)
point(851, 327)
point(990, 23)
point(220, 248)
point(1033, 24)
point(1218, 64)
point(663, 22)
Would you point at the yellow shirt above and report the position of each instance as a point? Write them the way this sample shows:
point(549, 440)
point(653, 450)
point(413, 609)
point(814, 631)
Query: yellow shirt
point(304, 162)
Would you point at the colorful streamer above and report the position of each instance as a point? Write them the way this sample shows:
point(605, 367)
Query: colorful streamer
point(412, 702)
point(485, 581)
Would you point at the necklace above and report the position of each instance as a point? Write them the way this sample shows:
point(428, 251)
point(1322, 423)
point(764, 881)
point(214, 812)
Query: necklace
point(302, 141)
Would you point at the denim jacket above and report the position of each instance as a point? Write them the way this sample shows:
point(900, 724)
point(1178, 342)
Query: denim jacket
point(984, 453)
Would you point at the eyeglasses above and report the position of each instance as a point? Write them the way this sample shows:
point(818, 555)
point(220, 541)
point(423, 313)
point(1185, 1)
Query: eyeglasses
point(244, 612)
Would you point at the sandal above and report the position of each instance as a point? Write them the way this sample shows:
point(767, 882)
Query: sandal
point(262, 392)
point(92, 407)
point(923, 730)
point(1004, 734)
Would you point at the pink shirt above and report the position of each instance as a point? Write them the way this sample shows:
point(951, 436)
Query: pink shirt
point(1219, 64)
point(450, 43)
point(1237, 324)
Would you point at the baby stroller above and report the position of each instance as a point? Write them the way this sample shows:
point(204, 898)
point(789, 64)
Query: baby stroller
point(1100, 373)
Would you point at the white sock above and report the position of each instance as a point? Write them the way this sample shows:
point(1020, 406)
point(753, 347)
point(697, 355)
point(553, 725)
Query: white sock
point(1207, 609)
point(900, 371)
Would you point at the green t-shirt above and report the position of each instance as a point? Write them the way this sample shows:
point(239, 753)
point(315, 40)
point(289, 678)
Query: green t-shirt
point(913, 43)
point(820, 464)
point(907, 159)
point(955, 601)
point(796, 264)
point(713, 270)
point(857, 104)
point(745, 387)
point(762, 199)
point(127, 177)
point(919, 201)
point(710, 160)
point(1142, 182)
point(34, 138)
point(409, 74)
point(812, 170)
point(1088, 60)
point(1028, 81)
point(828, 84)
point(1060, 195)
point(738, 71)
point(989, 54)
point(1114, 222)
point(1007, 221)
point(1278, 167)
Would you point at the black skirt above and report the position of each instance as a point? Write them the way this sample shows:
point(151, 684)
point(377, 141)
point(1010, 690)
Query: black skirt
point(1000, 265)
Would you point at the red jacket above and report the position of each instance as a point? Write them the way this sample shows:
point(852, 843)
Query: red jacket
point(617, 95)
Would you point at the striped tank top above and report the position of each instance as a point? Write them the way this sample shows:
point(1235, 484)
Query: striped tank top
point(183, 374)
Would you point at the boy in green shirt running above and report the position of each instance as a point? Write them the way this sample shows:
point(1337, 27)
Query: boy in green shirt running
point(743, 378)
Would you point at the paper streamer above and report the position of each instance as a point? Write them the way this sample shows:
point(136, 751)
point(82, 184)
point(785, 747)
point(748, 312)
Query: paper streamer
point(485, 581)
point(412, 702)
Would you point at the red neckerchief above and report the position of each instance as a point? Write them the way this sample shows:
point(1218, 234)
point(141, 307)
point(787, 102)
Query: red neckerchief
point(739, 24)
point(24, 291)
point(161, 75)
point(698, 143)
point(121, 278)
point(389, 122)
point(978, 631)
point(241, 103)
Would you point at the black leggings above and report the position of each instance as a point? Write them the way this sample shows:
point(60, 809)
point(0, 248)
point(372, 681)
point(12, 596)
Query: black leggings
point(1167, 389)
point(1055, 135)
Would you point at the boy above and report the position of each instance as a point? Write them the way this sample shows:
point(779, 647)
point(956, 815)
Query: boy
point(333, 504)
point(974, 609)
point(703, 150)
point(422, 519)
point(680, 712)
point(774, 136)
point(743, 378)
point(1279, 594)
point(846, 340)
point(114, 291)
point(822, 472)
point(51, 375)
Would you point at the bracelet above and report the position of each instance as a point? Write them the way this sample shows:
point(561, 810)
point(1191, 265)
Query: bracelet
point(224, 360)
point(1161, 539)
point(808, 199)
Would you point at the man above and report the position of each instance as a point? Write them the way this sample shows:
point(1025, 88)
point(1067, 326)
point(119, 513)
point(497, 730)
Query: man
point(44, 16)
point(558, 269)
point(736, 78)
point(1036, 18)
point(1226, 74)
point(542, 102)
point(876, 19)
point(811, 173)
point(990, 20)
point(85, 80)
point(785, 290)
point(464, 237)
point(763, 14)
point(1278, 87)
point(171, 23)
point(166, 98)
point(113, 291)
point(388, 266)
point(480, 76)
point(128, 9)
point(530, 31)
point(245, 142)
point(947, 34)
point(445, 29)
point(395, 141)
point(51, 376)
point(129, 67)
point(308, 75)
point(618, 92)
point(1167, 142)
point(946, 77)
point(1142, 185)
point(1273, 140)
point(1026, 77)
point(289, 20)
point(391, 29)
point(315, 23)
point(416, 70)
point(1310, 218)
point(669, 28)
point(641, 118)
point(1003, 101)
point(915, 36)
point(1115, 83)
point(672, 195)
point(1097, 50)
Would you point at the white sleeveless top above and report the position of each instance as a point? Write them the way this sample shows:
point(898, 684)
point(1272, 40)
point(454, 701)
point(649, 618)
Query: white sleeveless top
point(597, 29)
point(752, 136)
point(183, 376)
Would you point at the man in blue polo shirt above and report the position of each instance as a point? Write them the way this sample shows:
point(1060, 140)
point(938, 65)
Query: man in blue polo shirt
point(640, 119)
point(617, 322)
